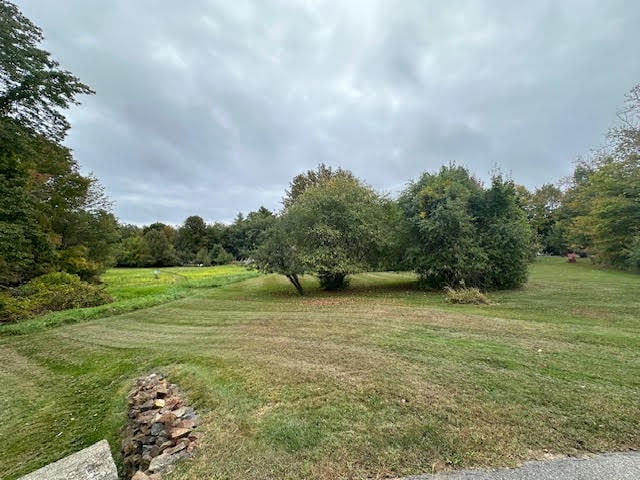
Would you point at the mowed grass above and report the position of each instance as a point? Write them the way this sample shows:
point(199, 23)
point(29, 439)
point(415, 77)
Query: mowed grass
point(378, 381)
point(137, 288)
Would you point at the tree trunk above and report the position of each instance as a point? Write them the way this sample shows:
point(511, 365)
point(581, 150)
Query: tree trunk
point(293, 278)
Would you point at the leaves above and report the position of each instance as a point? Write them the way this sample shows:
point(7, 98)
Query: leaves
point(461, 234)
point(33, 88)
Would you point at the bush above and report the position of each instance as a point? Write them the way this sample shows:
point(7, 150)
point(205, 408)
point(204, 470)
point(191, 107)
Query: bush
point(467, 296)
point(48, 293)
point(462, 234)
point(12, 309)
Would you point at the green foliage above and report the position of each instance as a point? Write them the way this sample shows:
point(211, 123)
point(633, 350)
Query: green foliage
point(202, 257)
point(278, 254)
point(633, 255)
point(312, 178)
point(246, 234)
point(505, 236)
point(219, 256)
point(444, 246)
point(543, 208)
point(603, 210)
point(33, 89)
point(337, 228)
point(191, 238)
point(48, 293)
point(51, 216)
point(160, 250)
point(133, 251)
point(26, 249)
point(461, 234)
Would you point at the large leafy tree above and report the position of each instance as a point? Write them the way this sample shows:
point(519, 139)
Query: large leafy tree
point(334, 228)
point(463, 235)
point(445, 247)
point(51, 216)
point(26, 250)
point(33, 88)
point(505, 236)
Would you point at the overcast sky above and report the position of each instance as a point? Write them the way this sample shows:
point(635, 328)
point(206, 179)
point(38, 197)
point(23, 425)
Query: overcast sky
point(210, 107)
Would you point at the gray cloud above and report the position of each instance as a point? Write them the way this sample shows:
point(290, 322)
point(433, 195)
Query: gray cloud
point(211, 107)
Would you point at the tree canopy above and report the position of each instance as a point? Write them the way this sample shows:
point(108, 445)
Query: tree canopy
point(333, 228)
point(51, 216)
point(463, 235)
point(33, 88)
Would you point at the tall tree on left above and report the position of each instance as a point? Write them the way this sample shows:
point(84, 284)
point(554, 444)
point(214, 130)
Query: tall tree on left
point(51, 217)
point(33, 87)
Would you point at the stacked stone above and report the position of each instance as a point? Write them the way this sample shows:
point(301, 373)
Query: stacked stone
point(159, 431)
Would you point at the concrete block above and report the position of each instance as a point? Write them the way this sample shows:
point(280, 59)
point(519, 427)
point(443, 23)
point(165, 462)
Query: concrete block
point(92, 463)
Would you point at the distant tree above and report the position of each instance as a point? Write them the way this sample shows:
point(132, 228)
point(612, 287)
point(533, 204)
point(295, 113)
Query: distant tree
point(543, 212)
point(246, 234)
point(159, 248)
point(133, 252)
point(191, 238)
point(219, 256)
point(604, 210)
point(202, 257)
point(278, 254)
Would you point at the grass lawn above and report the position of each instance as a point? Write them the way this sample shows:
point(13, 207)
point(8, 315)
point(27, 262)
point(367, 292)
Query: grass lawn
point(376, 381)
point(137, 288)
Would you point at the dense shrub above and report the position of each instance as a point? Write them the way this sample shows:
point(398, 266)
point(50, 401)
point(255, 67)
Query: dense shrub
point(48, 293)
point(463, 234)
point(13, 309)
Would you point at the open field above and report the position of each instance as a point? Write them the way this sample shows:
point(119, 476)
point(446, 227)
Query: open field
point(136, 288)
point(379, 380)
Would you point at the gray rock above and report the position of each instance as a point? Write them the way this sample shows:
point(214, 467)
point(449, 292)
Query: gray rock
point(92, 463)
point(162, 462)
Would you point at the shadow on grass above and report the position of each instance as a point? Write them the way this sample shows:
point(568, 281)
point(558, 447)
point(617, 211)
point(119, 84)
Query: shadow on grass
point(277, 287)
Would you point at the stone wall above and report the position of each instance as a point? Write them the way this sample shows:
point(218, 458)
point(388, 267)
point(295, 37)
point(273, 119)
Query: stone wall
point(160, 430)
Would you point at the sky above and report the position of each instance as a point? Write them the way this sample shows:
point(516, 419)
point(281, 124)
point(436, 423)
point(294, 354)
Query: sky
point(211, 107)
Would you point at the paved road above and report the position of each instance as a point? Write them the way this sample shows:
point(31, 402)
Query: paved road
point(607, 466)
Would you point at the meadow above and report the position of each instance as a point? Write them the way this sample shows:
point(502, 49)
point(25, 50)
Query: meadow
point(380, 380)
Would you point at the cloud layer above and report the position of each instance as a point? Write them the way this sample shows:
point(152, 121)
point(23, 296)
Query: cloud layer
point(211, 107)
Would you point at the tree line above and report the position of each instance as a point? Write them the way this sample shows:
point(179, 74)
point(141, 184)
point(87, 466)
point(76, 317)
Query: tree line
point(446, 225)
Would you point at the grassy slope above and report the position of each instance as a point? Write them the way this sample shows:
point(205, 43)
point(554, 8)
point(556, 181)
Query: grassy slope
point(378, 380)
point(137, 288)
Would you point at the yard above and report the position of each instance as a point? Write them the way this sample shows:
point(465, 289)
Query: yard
point(377, 381)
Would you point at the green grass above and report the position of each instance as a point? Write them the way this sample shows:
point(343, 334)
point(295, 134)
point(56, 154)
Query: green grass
point(137, 288)
point(379, 380)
